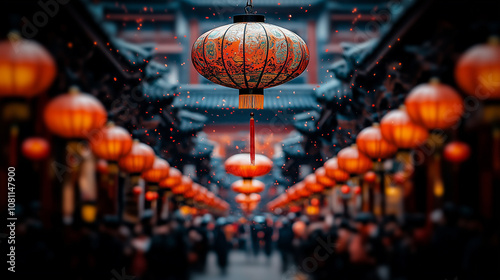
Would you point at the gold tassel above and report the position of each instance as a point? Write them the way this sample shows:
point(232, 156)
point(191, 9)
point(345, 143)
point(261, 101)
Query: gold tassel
point(251, 101)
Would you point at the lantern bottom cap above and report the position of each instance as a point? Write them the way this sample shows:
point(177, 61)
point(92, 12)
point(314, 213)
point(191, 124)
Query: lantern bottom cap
point(251, 99)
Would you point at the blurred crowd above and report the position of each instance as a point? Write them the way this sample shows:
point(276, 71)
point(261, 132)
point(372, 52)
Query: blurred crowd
point(453, 243)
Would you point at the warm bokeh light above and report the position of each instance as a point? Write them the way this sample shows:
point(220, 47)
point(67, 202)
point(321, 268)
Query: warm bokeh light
point(174, 178)
point(35, 148)
point(247, 186)
point(456, 152)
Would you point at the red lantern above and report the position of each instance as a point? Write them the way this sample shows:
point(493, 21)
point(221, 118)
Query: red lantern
point(102, 166)
point(302, 191)
point(299, 228)
point(400, 178)
point(185, 185)
point(312, 185)
point(434, 105)
point(150, 196)
point(140, 158)
point(240, 165)
point(27, 68)
point(397, 128)
point(456, 152)
point(345, 189)
point(201, 196)
point(352, 161)
point(315, 202)
point(250, 55)
point(35, 148)
point(193, 191)
point(74, 115)
point(371, 143)
point(370, 177)
point(357, 190)
point(332, 170)
point(111, 143)
point(323, 179)
point(292, 193)
point(157, 172)
point(478, 70)
point(174, 178)
point(248, 186)
point(137, 190)
point(245, 199)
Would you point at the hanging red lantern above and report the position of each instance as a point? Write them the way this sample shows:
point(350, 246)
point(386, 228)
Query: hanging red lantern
point(245, 199)
point(302, 191)
point(247, 186)
point(397, 128)
point(27, 68)
point(478, 70)
point(312, 185)
point(292, 193)
point(333, 171)
point(314, 202)
point(35, 148)
point(370, 177)
point(174, 178)
point(185, 185)
point(74, 115)
point(192, 192)
point(371, 143)
point(151, 195)
point(434, 105)
point(111, 142)
point(400, 178)
point(157, 172)
point(137, 190)
point(356, 190)
point(201, 196)
point(323, 179)
point(250, 55)
point(140, 158)
point(240, 165)
point(352, 161)
point(345, 189)
point(456, 152)
point(102, 166)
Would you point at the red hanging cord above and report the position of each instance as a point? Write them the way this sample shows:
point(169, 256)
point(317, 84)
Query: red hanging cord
point(252, 140)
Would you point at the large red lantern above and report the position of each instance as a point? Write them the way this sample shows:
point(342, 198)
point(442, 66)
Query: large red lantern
point(26, 68)
point(174, 178)
point(323, 179)
point(478, 70)
point(456, 152)
point(250, 55)
point(35, 148)
point(140, 158)
point(240, 165)
point(111, 142)
point(371, 143)
point(434, 105)
point(312, 185)
point(352, 161)
point(248, 186)
point(74, 115)
point(333, 171)
point(157, 172)
point(398, 129)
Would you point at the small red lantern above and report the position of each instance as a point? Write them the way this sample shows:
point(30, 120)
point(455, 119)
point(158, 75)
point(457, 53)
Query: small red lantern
point(292, 193)
point(157, 172)
point(137, 190)
point(352, 161)
point(315, 202)
point(398, 129)
point(248, 186)
point(140, 158)
point(111, 142)
point(345, 189)
point(240, 165)
point(357, 190)
point(185, 185)
point(174, 178)
point(312, 185)
point(35, 148)
point(370, 177)
point(302, 191)
point(332, 170)
point(102, 166)
point(456, 152)
point(323, 179)
point(150, 195)
point(400, 178)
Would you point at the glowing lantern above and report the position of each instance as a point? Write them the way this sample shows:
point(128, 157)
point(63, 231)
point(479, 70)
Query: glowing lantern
point(74, 115)
point(478, 70)
point(157, 172)
point(315, 202)
point(137, 190)
point(151, 195)
point(352, 161)
point(357, 190)
point(371, 143)
point(26, 67)
point(250, 55)
point(312, 185)
point(456, 152)
point(193, 191)
point(302, 191)
point(140, 158)
point(102, 166)
point(370, 177)
point(312, 210)
point(35, 148)
point(240, 165)
point(292, 194)
point(323, 179)
point(345, 189)
point(398, 129)
point(400, 178)
point(88, 212)
point(434, 105)
point(299, 228)
point(245, 199)
point(248, 186)
point(111, 142)
point(174, 178)
point(185, 185)
point(332, 170)
point(201, 196)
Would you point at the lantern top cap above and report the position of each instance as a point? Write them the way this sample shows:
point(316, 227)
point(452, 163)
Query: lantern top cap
point(249, 18)
point(494, 40)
